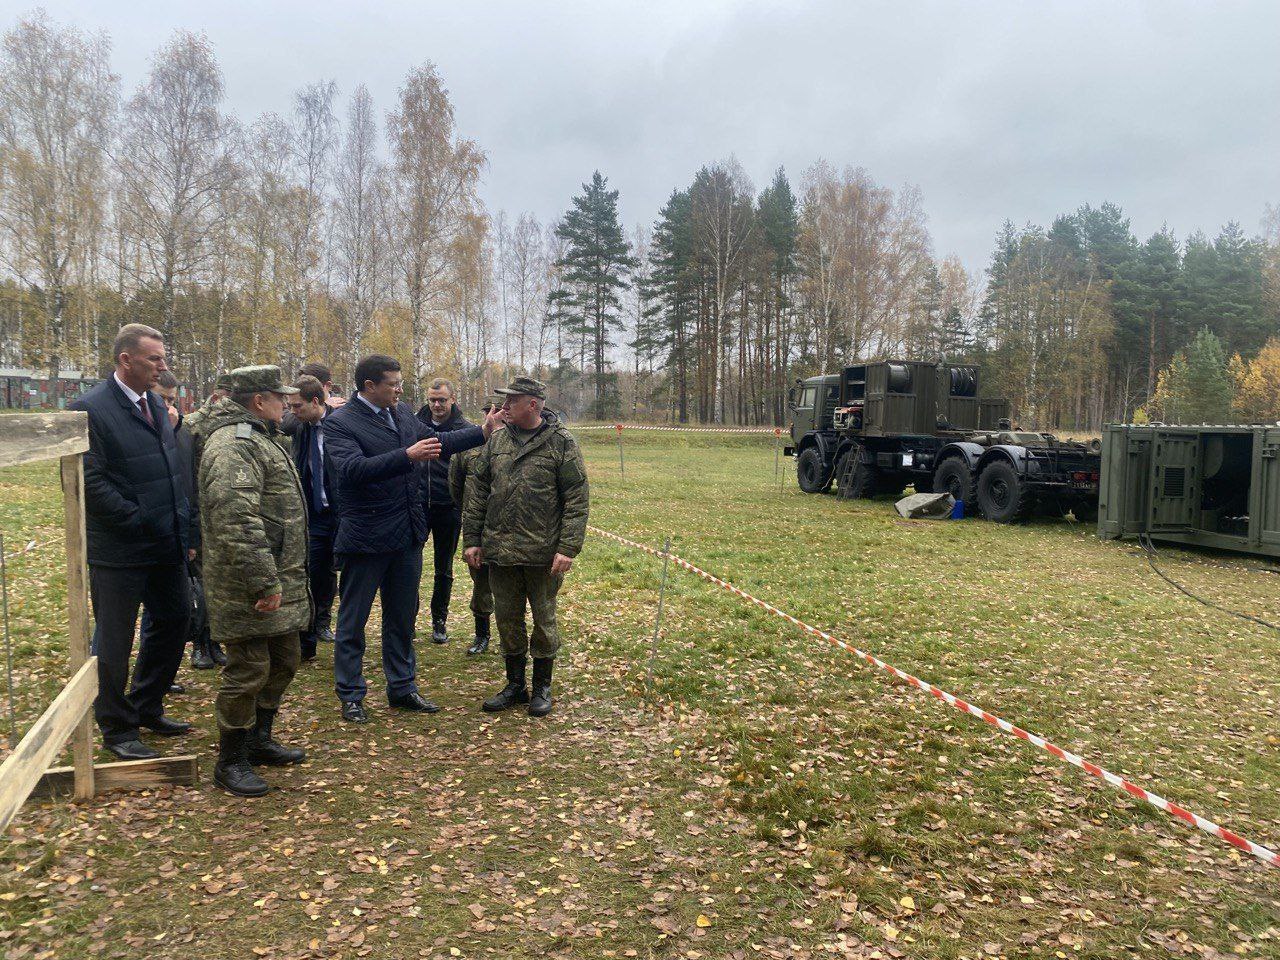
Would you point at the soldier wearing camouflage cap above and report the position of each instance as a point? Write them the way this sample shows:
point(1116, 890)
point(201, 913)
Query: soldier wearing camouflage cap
point(526, 517)
point(461, 469)
point(254, 523)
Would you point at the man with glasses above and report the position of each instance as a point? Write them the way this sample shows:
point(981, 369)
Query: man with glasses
point(444, 517)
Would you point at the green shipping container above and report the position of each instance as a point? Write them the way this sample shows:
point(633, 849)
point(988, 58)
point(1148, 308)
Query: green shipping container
point(1207, 485)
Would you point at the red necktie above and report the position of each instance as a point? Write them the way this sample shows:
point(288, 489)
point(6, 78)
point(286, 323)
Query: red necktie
point(146, 410)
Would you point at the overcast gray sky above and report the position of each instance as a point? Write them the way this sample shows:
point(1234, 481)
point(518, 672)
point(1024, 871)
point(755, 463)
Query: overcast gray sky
point(996, 110)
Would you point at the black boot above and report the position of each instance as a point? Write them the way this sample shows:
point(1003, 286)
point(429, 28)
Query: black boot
point(481, 642)
point(540, 705)
point(438, 634)
point(265, 750)
point(215, 652)
point(514, 692)
point(232, 771)
point(200, 656)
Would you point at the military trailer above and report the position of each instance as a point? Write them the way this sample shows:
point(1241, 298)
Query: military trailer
point(878, 426)
point(1211, 486)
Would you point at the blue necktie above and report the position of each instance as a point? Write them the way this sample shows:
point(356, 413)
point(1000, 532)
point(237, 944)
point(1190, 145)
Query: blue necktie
point(386, 412)
point(317, 470)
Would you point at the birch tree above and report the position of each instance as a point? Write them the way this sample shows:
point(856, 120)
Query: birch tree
point(58, 100)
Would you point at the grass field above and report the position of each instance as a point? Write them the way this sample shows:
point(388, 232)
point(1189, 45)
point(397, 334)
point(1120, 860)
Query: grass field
point(774, 798)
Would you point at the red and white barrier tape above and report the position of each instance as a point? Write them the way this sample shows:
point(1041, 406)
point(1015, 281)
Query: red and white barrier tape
point(763, 431)
point(1264, 854)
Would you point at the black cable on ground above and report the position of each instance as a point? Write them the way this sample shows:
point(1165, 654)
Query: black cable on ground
point(1149, 550)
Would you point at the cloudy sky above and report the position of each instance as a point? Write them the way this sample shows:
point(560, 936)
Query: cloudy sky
point(996, 110)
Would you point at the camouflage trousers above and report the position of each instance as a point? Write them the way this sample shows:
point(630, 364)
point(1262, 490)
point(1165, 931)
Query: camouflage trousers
point(481, 592)
point(258, 671)
point(513, 589)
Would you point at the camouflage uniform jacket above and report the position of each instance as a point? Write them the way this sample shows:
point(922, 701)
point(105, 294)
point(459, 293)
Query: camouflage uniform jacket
point(527, 502)
point(461, 467)
point(254, 522)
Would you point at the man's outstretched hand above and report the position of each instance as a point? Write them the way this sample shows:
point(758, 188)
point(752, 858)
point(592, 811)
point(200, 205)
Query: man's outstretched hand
point(424, 450)
point(495, 419)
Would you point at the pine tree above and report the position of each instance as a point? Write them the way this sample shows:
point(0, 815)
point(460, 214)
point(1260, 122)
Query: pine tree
point(596, 265)
point(1197, 386)
point(672, 294)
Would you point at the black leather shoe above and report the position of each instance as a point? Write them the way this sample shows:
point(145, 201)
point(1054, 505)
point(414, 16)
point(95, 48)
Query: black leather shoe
point(166, 727)
point(540, 702)
point(514, 692)
point(265, 750)
point(325, 635)
point(177, 689)
point(413, 702)
point(232, 771)
point(353, 711)
point(215, 651)
point(481, 642)
point(438, 632)
point(132, 750)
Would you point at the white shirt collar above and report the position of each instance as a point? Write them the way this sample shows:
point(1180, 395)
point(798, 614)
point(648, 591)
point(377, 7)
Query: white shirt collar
point(129, 392)
point(376, 409)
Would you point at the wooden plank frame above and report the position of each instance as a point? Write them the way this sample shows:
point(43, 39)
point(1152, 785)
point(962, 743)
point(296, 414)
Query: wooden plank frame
point(31, 438)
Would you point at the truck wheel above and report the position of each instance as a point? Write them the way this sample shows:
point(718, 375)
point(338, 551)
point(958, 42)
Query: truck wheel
point(1086, 512)
point(811, 471)
point(1002, 496)
point(955, 477)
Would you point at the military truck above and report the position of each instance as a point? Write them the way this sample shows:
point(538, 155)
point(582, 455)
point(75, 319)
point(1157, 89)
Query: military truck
point(878, 426)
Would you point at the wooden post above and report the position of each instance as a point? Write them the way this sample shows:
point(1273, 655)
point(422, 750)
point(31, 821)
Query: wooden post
point(622, 466)
point(78, 613)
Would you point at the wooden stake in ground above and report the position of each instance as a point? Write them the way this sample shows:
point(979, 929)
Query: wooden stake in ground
point(657, 621)
point(777, 457)
point(8, 644)
point(621, 465)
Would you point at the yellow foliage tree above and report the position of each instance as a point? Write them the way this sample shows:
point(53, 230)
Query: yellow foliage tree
point(1258, 384)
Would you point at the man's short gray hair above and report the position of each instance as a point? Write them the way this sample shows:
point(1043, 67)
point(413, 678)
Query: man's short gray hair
point(130, 338)
point(440, 383)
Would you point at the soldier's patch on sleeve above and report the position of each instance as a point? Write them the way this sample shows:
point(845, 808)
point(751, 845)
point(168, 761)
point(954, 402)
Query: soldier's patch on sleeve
point(242, 479)
point(244, 431)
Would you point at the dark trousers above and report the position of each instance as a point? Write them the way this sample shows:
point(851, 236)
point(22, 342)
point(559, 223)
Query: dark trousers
point(117, 592)
point(444, 525)
point(324, 581)
point(395, 576)
point(198, 626)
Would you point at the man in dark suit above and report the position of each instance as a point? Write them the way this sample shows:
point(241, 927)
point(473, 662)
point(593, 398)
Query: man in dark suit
point(444, 517)
point(202, 646)
point(318, 483)
point(377, 447)
point(291, 424)
point(137, 524)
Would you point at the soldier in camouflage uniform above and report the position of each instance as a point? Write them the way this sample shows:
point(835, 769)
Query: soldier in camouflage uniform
point(254, 523)
point(461, 468)
point(526, 517)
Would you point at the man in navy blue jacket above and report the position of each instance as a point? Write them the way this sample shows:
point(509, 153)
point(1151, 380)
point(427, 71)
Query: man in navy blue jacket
point(378, 449)
point(444, 517)
point(137, 528)
point(315, 470)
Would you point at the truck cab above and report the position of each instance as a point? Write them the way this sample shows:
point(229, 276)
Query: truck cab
point(813, 402)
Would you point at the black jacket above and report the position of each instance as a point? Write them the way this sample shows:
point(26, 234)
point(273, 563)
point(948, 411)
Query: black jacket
point(136, 508)
point(379, 500)
point(302, 439)
point(435, 479)
point(187, 459)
